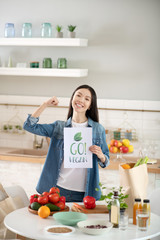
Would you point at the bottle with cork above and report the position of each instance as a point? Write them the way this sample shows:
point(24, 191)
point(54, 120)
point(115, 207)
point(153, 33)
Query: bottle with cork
point(115, 211)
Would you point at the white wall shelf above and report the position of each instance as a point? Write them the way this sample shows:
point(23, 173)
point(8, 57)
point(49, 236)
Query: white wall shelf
point(43, 72)
point(39, 42)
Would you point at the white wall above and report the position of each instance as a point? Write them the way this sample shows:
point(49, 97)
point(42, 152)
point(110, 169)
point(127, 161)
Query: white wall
point(123, 53)
point(146, 124)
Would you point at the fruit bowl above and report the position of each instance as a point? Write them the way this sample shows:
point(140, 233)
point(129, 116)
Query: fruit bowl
point(66, 209)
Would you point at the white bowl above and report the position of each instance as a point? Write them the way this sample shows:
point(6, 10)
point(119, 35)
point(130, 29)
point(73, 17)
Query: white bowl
point(95, 231)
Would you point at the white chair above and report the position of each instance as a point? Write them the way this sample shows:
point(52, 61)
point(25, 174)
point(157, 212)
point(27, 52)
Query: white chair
point(154, 201)
point(16, 190)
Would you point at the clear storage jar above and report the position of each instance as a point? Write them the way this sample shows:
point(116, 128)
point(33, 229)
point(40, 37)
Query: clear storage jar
point(46, 30)
point(9, 31)
point(27, 30)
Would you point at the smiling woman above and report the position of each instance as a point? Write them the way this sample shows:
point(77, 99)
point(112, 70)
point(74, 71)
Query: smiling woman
point(74, 183)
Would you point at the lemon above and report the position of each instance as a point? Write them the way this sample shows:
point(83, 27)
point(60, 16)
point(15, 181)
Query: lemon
point(130, 148)
point(126, 142)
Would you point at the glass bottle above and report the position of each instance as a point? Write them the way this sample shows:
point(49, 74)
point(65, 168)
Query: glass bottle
point(9, 31)
point(46, 30)
point(137, 205)
point(27, 30)
point(115, 210)
point(147, 208)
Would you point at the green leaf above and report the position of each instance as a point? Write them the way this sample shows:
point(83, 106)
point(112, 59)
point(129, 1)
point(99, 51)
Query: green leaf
point(77, 137)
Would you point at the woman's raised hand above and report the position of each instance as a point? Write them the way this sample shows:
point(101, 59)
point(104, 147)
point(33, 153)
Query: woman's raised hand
point(49, 103)
point(52, 102)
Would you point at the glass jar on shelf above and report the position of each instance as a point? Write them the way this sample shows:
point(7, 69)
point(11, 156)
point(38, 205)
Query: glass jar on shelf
point(9, 30)
point(46, 30)
point(27, 30)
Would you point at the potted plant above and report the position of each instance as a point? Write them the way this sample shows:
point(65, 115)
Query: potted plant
point(5, 127)
point(10, 127)
point(71, 29)
point(109, 197)
point(59, 33)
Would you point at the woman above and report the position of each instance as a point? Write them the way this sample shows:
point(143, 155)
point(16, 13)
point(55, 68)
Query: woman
point(74, 183)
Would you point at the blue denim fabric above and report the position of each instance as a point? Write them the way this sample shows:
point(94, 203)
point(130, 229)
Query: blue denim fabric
point(71, 196)
point(55, 155)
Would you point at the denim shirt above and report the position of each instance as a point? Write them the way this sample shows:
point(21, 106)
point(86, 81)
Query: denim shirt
point(55, 155)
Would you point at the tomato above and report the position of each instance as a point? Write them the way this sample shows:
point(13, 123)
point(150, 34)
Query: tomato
point(43, 199)
point(61, 205)
point(62, 199)
point(54, 190)
point(46, 193)
point(89, 202)
point(54, 198)
point(34, 198)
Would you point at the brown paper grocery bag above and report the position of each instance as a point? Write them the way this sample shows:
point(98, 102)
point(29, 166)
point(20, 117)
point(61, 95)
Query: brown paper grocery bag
point(135, 181)
point(7, 205)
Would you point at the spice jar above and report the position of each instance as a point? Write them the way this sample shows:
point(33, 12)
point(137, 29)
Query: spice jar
point(34, 64)
point(147, 208)
point(9, 30)
point(137, 205)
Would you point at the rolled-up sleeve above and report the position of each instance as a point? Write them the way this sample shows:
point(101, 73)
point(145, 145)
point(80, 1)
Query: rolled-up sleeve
point(31, 125)
point(105, 151)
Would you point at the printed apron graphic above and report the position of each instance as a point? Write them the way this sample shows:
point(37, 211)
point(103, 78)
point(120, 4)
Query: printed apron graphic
point(76, 147)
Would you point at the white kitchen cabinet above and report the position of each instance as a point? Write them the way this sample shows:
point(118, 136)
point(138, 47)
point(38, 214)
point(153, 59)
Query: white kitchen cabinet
point(41, 42)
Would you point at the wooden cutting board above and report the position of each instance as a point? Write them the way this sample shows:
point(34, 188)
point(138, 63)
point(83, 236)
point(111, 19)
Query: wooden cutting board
point(97, 209)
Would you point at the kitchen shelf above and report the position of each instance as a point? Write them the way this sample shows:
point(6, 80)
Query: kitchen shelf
point(39, 42)
point(43, 72)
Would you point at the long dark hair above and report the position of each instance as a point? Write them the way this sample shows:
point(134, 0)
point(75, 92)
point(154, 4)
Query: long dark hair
point(93, 111)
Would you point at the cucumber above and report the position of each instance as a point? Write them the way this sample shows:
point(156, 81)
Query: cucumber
point(52, 207)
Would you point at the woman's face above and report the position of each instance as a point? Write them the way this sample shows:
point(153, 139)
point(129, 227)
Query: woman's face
point(81, 101)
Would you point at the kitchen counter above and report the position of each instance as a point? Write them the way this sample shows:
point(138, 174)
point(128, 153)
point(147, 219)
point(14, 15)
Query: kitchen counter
point(39, 156)
point(23, 155)
point(114, 165)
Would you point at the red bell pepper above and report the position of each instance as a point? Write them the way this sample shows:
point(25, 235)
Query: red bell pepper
point(89, 202)
point(34, 198)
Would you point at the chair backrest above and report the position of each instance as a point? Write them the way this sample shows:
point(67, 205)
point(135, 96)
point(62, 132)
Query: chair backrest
point(154, 201)
point(17, 190)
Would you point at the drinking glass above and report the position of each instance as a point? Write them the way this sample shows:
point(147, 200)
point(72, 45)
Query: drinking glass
point(123, 221)
point(142, 217)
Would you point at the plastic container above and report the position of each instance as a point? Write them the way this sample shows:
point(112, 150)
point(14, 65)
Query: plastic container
point(46, 30)
point(137, 205)
point(27, 30)
point(9, 31)
point(147, 208)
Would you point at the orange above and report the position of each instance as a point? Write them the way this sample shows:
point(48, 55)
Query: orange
point(126, 166)
point(44, 211)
